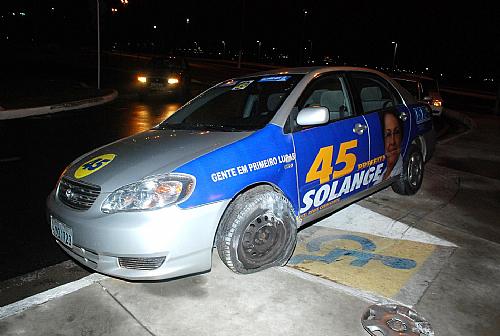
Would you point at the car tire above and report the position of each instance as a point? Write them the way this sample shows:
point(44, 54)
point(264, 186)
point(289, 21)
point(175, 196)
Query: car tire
point(257, 231)
point(411, 177)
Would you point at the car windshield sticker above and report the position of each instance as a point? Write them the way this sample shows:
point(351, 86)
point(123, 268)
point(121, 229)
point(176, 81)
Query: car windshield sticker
point(228, 83)
point(275, 79)
point(242, 85)
point(93, 165)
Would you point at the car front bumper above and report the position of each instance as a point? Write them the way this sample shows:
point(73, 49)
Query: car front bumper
point(143, 245)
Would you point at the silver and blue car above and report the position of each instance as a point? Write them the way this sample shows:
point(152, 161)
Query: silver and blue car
point(240, 167)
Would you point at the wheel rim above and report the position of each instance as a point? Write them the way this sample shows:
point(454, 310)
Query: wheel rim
point(415, 169)
point(262, 240)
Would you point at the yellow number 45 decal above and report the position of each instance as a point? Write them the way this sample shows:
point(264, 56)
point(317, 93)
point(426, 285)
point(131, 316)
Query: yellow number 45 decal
point(321, 169)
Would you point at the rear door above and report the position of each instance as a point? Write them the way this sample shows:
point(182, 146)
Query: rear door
point(328, 155)
point(389, 123)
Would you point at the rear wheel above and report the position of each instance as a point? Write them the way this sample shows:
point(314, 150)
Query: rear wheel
point(412, 175)
point(257, 231)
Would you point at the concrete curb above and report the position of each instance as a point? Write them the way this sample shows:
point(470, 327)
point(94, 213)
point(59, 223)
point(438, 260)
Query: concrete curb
point(461, 118)
point(60, 107)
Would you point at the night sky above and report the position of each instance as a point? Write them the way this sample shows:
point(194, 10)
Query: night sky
point(447, 37)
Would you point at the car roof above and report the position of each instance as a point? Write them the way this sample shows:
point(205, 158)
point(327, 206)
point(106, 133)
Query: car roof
point(308, 70)
point(410, 76)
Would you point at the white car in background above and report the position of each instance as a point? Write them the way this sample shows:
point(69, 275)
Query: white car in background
point(423, 88)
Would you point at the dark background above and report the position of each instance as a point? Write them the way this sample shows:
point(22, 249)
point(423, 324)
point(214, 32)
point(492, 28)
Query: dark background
point(454, 41)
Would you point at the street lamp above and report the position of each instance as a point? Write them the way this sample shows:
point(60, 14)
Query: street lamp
point(187, 42)
point(224, 50)
point(394, 56)
point(98, 47)
point(302, 52)
point(258, 54)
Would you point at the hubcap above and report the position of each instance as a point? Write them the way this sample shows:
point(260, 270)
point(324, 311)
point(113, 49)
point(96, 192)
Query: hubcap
point(415, 168)
point(262, 240)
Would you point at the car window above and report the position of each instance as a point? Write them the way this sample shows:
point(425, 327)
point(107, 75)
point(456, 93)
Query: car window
point(373, 92)
point(429, 85)
point(329, 92)
point(411, 86)
point(244, 104)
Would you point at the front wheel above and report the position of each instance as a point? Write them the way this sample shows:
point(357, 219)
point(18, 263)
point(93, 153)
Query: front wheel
point(257, 231)
point(412, 175)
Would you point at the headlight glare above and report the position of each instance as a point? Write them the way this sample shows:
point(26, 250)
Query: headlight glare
point(151, 193)
point(173, 80)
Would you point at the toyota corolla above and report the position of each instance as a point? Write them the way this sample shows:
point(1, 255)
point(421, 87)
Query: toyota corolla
point(240, 167)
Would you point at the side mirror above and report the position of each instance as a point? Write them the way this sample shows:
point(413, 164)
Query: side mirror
point(311, 116)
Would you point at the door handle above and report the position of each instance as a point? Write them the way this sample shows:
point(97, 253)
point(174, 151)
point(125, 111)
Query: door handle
point(359, 128)
point(403, 116)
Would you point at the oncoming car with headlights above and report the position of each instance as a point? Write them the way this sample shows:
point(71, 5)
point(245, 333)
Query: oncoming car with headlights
point(168, 75)
point(240, 167)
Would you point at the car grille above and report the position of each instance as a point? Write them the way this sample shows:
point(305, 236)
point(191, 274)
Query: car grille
point(147, 264)
point(77, 195)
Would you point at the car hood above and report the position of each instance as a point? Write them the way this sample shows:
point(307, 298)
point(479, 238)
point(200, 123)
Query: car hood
point(150, 153)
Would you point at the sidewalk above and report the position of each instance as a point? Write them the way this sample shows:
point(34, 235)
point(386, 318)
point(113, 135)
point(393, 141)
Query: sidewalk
point(36, 97)
point(456, 286)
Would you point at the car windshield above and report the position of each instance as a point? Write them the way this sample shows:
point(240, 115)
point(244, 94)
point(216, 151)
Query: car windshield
point(234, 105)
point(165, 63)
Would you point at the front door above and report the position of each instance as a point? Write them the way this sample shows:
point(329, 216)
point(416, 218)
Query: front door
point(331, 158)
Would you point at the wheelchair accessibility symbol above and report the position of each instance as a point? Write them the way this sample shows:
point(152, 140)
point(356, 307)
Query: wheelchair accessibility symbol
point(361, 257)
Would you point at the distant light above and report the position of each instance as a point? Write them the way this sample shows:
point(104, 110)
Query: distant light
point(393, 42)
point(426, 69)
point(154, 27)
point(114, 10)
point(52, 8)
point(187, 20)
point(22, 14)
point(13, 14)
point(305, 12)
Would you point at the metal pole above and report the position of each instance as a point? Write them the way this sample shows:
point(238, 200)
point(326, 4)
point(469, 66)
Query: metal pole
point(242, 27)
point(394, 56)
point(98, 49)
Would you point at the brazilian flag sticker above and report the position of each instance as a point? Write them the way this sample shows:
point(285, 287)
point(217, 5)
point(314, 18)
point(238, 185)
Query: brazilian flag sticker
point(93, 165)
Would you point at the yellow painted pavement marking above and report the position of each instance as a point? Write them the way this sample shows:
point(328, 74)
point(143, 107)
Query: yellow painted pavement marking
point(363, 261)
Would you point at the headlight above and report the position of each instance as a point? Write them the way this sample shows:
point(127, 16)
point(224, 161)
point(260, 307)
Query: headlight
point(151, 193)
point(173, 80)
point(142, 79)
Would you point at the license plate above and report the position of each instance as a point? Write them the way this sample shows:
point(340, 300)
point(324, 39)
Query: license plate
point(157, 85)
point(62, 232)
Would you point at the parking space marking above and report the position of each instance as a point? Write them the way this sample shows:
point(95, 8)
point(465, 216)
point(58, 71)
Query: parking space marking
point(366, 262)
point(358, 219)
